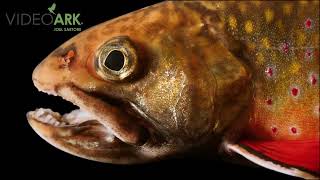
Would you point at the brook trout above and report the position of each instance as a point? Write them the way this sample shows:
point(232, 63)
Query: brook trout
point(175, 77)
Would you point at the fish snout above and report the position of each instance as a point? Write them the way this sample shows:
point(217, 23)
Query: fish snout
point(50, 73)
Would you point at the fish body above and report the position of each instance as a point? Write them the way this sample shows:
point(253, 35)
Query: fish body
point(176, 76)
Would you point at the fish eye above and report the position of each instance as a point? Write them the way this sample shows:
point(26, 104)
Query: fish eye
point(116, 59)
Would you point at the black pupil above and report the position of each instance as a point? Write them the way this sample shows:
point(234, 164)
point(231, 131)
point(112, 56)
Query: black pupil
point(115, 60)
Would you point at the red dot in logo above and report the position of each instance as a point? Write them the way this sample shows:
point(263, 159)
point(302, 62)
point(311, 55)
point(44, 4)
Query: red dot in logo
point(308, 23)
point(294, 130)
point(269, 72)
point(294, 91)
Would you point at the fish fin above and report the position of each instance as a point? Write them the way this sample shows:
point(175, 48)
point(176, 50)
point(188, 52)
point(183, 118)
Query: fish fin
point(293, 157)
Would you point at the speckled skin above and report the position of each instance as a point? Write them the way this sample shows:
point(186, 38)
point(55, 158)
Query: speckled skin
point(274, 42)
point(206, 70)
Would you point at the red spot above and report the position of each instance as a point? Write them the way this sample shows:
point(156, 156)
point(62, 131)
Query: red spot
point(308, 23)
point(308, 54)
point(269, 101)
point(294, 91)
point(294, 130)
point(274, 129)
point(285, 47)
point(313, 79)
point(269, 71)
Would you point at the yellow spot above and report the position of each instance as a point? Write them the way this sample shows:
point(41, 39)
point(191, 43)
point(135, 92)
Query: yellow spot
point(248, 26)
point(260, 58)
point(301, 38)
point(269, 14)
point(315, 39)
point(256, 3)
point(242, 7)
point(209, 5)
point(232, 22)
point(279, 24)
point(303, 2)
point(287, 8)
point(221, 5)
point(251, 46)
point(265, 42)
point(295, 67)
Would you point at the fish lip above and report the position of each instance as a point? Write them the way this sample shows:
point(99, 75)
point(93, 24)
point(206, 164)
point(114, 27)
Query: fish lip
point(55, 119)
point(59, 121)
point(40, 115)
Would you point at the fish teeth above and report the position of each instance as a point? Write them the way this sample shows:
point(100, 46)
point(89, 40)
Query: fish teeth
point(51, 121)
point(47, 116)
point(63, 123)
point(77, 116)
point(39, 113)
point(56, 123)
point(53, 118)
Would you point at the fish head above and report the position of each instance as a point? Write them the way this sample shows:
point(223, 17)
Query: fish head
point(143, 89)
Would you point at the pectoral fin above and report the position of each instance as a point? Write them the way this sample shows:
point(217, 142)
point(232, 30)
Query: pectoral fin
point(295, 157)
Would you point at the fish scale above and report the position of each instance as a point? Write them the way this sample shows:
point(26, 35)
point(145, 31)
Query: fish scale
point(278, 37)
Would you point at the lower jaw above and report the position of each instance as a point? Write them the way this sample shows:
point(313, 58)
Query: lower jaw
point(80, 135)
point(89, 139)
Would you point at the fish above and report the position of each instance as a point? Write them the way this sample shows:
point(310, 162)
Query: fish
point(238, 80)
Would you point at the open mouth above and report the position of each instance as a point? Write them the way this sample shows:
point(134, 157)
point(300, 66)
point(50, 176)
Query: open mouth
point(99, 120)
point(49, 117)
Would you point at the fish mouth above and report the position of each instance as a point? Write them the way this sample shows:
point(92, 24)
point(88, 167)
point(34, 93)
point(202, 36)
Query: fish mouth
point(102, 129)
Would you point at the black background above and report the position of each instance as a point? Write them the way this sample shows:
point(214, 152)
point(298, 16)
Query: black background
point(25, 152)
